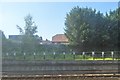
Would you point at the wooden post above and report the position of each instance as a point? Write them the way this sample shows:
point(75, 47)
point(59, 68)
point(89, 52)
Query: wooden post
point(93, 55)
point(103, 55)
point(64, 54)
point(14, 55)
point(74, 55)
point(34, 55)
point(83, 53)
point(7, 55)
point(44, 55)
point(24, 56)
point(112, 55)
point(54, 55)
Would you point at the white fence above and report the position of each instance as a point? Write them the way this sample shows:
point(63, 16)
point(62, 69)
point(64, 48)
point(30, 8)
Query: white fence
point(110, 55)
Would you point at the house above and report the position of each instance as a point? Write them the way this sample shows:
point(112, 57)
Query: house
point(45, 42)
point(60, 39)
point(16, 37)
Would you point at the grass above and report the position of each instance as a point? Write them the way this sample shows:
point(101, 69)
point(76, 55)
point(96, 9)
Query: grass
point(101, 59)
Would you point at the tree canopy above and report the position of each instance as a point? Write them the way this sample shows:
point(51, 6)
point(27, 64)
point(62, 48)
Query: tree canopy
point(30, 27)
point(88, 29)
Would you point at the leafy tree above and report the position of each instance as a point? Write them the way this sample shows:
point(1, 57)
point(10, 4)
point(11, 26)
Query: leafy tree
point(113, 20)
point(29, 39)
point(30, 28)
point(78, 26)
point(89, 30)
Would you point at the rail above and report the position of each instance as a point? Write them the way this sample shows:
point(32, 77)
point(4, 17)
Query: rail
point(60, 67)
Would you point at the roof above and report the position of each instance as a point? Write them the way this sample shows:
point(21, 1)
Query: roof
point(59, 38)
point(15, 37)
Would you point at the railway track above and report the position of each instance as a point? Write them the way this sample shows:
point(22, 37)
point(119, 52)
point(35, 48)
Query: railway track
point(64, 77)
point(60, 67)
point(60, 70)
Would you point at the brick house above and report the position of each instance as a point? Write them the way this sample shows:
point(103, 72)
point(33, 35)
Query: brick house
point(60, 39)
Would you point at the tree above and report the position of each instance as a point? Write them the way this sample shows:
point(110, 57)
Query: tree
point(79, 26)
point(88, 30)
point(29, 39)
point(30, 28)
point(113, 20)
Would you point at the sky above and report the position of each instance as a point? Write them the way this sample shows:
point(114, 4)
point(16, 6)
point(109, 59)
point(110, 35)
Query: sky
point(48, 16)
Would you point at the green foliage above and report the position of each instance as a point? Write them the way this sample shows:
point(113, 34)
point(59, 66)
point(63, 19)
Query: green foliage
point(29, 42)
point(113, 19)
point(30, 27)
point(89, 30)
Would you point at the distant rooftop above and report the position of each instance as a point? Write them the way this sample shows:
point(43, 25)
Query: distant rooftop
point(15, 37)
point(59, 38)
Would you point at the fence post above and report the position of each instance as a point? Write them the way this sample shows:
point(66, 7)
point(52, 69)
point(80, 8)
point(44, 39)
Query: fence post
point(112, 54)
point(54, 55)
point(14, 55)
point(103, 55)
point(7, 55)
point(44, 55)
point(74, 55)
point(34, 55)
point(93, 55)
point(83, 53)
point(24, 56)
point(64, 54)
